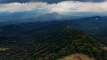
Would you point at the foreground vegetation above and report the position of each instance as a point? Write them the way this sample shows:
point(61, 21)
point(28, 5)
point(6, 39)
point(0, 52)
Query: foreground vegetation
point(41, 44)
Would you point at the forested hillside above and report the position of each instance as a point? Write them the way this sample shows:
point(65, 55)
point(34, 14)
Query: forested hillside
point(45, 43)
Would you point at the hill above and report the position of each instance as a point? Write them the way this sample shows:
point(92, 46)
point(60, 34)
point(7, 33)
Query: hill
point(95, 26)
point(50, 41)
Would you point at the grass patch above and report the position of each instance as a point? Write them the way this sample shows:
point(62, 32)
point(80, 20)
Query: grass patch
point(2, 49)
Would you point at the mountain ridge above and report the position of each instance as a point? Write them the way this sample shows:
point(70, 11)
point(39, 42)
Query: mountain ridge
point(64, 40)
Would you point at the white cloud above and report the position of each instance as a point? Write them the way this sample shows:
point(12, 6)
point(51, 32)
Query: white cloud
point(62, 7)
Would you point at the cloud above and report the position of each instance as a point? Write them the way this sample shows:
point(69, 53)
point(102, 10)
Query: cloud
point(61, 7)
point(49, 1)
point(10, 1)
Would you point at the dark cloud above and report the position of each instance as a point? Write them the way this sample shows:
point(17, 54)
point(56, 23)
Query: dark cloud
point(10, 1)
point(49, 1)
point(91, 0)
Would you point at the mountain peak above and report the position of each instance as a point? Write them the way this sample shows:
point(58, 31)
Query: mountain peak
point(53, 13)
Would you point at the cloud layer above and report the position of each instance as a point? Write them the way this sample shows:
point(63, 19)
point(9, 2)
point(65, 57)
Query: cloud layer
point(65, 7)
point(49, 1)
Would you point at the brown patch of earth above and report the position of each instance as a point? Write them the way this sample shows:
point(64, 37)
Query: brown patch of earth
point(105, 48)
point(77, 57)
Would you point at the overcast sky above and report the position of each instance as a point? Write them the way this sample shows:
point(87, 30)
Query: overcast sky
point(59, 6)
point(49, 1)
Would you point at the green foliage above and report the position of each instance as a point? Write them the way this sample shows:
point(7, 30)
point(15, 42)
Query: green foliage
point(55, 45)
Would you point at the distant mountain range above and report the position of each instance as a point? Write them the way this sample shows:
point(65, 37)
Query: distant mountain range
point(32, 16)
point(91, 23)
point(28, 17)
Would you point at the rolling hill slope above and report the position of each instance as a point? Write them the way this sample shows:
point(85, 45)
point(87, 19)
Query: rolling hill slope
point(44, 43)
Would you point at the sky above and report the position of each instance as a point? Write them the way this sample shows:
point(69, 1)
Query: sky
point(49, 1)
point(59, 6)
